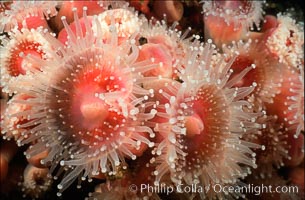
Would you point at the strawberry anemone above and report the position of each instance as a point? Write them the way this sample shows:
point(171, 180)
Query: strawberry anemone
point(227, 21)
point(274, 139)
point(12, 120)
point(88, 107)
point(284, 39)
point(164, 45)
point(36, 182)
point(266, 72)
point(289, 109)
point(290, 101)
point(65, 8)
point(126, 22)
point(13, 54)
point(30, 14)
point(127, 185)
point(202, 122)
point(272, 179)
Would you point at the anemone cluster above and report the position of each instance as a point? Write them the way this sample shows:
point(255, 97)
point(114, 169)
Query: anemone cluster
point(97, 91)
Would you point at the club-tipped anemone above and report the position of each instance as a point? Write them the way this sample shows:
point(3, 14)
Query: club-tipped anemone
point(65, 8)
point(12, 120)
point(4, 5)
point(14, 51)
point(296, 178)
point(227, 21)
point(274, 139)
point(168, 39)
point(289, 102)
point(94, 8)
point(119, 191)
point(286, 41)
point(204, 122)
point(88, 107)
point(126, 22)
point(273, 179)
point(171, 10)
point(93, 91)
point(20, 11)
point(127, 186)
point(36, 160)
point(113, 192)
point(272, 136)
point(158, 54)
point(36, 182)
point(266, 72)
point(237, 13)
point(289, 109)
point(8, 150)
point(296, 105)
point(113, 4)
point(295, 150)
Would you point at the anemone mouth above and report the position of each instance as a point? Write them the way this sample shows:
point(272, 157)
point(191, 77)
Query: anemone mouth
point(16, 66)
point(212, 109)
point(92, 96)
